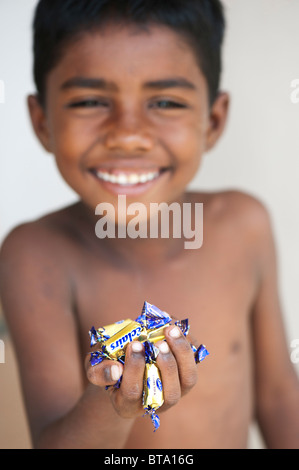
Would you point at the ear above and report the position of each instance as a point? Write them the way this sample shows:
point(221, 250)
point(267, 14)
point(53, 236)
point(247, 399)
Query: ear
point(218, 118)
point(39, 121)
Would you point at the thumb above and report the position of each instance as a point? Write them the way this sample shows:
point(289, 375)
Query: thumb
point(108, 372)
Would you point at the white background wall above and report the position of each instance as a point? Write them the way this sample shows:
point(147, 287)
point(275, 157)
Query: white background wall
point(259, 152)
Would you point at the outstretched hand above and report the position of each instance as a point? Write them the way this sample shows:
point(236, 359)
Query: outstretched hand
point(175, 361)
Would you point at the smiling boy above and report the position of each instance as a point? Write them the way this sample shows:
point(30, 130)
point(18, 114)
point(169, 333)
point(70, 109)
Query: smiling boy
point(128, 102)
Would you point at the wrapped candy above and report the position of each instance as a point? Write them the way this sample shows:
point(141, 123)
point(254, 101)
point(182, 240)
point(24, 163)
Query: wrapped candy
point(148, 328)
point(152, 384)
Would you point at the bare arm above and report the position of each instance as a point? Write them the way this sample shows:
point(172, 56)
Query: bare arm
point(64, 409)
point(277, 385)
point(37, 300)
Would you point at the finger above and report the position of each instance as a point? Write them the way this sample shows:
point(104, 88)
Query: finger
point(169, 374)
point(106, 373)
point(184, 356)
point(128, 400)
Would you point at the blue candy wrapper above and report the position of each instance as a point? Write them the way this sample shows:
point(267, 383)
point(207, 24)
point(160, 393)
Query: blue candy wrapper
point(151, 320)
point(200, 353)
point(152, 317)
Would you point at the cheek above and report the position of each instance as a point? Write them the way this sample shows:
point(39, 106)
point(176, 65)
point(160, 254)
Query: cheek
point(186, 144)
point(69, 137)
point(66, 141)
point(66, 161)
point(67, 147)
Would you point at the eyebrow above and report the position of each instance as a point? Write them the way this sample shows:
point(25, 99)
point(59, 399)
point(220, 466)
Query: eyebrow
point(102, 84)
point(83, 82)
point(176, 82)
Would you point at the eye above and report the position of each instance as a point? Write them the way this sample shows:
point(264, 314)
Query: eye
point(88, 103)
point(167, 104)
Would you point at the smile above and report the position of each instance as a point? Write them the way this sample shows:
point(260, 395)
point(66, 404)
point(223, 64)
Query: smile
point(127, 179)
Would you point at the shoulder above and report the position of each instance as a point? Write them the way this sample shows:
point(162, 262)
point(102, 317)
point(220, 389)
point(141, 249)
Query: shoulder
point(249, 214)
point(37, 248)
point(23, 241)
point(239, 218)
point(26, 241)
point(39, 236)
point(35, 272)
point(236, 208)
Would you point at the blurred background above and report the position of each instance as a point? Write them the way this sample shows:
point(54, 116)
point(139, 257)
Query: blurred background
point(258, 153)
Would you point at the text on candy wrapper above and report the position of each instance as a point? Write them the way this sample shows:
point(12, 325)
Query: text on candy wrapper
point(128, 338)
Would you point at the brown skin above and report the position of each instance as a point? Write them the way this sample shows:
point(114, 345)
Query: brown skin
point(58, 279)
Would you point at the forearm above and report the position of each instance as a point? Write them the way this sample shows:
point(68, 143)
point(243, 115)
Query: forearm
point(279, 422)
point(91, 424)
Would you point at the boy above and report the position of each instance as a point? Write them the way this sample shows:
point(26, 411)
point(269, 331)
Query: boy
point(128, 102)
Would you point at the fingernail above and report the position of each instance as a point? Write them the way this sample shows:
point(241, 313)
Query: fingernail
point(137, 347)
point(163, 347)
point(115, 372)
point(175, 332)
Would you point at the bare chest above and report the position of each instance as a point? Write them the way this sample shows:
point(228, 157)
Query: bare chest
point(216, 297)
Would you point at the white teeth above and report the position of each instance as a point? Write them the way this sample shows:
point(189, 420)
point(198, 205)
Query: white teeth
point(127, 179)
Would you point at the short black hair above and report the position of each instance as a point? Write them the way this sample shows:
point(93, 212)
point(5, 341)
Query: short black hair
point(56, 22)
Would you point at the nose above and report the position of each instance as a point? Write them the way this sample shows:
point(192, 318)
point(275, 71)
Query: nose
point(129, 133)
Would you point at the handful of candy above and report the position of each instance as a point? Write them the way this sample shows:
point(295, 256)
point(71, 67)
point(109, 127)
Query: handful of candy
point(148, 328)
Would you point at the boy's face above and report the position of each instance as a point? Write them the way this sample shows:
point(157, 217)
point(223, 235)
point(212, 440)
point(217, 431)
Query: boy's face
point(127, 112)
